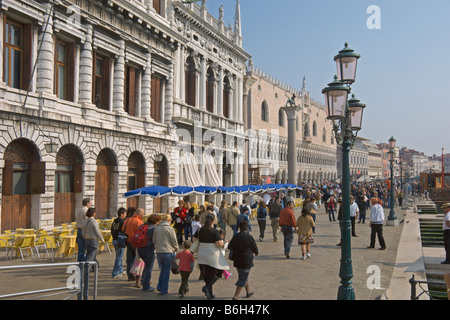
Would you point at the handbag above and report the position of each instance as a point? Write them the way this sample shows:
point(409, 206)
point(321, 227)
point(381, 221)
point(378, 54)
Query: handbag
point(230, 255)
point(122, 238)
point(195, 245)
point(174, 266)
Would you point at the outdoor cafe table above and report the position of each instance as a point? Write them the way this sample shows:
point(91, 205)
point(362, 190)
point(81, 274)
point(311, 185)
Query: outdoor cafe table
point(67, 246)
point(25, 231)
point(57, 232)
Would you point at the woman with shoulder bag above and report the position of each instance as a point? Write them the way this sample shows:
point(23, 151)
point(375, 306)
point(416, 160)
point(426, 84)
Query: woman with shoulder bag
point(165, 241)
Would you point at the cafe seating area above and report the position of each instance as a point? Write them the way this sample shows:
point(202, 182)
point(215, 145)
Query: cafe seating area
point(58, 243)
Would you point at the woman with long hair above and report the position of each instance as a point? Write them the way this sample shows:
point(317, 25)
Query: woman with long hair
point(220, 217)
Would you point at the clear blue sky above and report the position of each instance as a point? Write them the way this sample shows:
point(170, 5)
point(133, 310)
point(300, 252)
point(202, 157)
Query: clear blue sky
point(403, 75)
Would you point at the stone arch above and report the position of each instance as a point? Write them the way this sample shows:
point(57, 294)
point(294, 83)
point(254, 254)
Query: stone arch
point(23, 176)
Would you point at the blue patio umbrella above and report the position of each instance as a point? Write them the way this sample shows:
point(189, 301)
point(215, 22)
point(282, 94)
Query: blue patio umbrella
point(182, 191)
point(151, 191)
point(205, 190)
point(225, 190)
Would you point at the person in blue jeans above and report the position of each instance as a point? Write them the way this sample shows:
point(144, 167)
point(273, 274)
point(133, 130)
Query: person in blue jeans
point(147, 253)
point(288, 226)
point(79, 218)
point(116, 226)
point(165, 241)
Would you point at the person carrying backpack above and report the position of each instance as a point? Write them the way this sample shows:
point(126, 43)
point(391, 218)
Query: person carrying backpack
point(146, 249)
point(261, 216)
point(116, 227)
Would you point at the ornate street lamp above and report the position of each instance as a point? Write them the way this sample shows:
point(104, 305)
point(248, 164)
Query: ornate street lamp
point(346, 116)
point(392, 218)
point(346, 62)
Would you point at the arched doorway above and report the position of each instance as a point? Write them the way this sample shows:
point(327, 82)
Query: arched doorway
point(68, 183)
point(160, 178)
point(135, 176)
point(23, 175)
point(106, 162)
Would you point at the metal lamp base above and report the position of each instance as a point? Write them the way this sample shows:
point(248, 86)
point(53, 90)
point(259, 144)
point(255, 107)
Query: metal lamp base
point(392, 223)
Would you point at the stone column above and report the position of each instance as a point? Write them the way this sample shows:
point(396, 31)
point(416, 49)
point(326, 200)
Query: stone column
point(220, 93)
point(236, 113)
point(119, 80)
point(45, 58)
point(146, 88)
point(168, 112)
point(202, 88)
point(182, 66)
point(291, 112)
point(86, 68)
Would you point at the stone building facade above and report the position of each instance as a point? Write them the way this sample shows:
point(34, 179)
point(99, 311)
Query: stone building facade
point(267, 133)
point(94, 94)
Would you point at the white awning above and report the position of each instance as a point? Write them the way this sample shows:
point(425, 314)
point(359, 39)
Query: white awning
point(211, 175)
point(191, 176)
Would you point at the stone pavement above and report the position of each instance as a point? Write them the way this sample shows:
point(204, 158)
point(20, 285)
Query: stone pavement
point(273, 277)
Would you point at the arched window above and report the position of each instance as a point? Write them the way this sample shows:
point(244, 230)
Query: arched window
point(264, 111)
point(281, 118)
point(314, 129)
point(324, 135)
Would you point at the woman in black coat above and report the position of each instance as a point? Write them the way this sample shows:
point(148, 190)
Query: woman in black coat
point(243, 247)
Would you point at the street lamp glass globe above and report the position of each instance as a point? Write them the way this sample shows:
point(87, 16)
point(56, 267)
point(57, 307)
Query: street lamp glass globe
point(356, 119)
point(346, 63)
point(392, 143)
point(336, 95)
point(356, 109)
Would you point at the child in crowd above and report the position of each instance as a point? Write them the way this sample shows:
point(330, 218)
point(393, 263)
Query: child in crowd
point(186, 266)
point(136, 270)
point(195, 224)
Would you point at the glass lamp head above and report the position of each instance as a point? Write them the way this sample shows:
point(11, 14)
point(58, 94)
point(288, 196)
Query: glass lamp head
point(336, 94)
point(346, 63)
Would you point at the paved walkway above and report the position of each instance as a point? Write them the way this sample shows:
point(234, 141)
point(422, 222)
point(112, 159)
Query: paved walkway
point(273, 277)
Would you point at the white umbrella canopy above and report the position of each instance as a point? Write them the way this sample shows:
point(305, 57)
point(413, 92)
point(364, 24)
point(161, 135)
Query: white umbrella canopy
point(365, 179)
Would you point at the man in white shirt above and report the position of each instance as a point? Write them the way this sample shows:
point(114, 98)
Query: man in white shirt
point(446, 228)
point(354, 211)
point(376, 224)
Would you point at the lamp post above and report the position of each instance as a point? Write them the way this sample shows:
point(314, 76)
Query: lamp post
point(346, 116)
point(392, 219)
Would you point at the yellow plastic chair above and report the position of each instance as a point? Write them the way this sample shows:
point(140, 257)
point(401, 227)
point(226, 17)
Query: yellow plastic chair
point(4, 243)
point(40, 242)
point(108, 242)
point(51, 243)
point(24, 243)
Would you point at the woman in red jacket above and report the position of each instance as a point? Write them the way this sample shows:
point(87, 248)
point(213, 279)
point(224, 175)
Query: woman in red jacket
point(180, 220)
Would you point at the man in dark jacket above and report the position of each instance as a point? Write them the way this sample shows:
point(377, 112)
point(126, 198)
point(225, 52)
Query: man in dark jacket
point(363, 205)
point(274, 213)
point(243, 247)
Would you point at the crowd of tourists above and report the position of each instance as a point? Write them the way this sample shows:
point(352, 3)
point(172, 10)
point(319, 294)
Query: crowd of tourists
point(184, 235)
